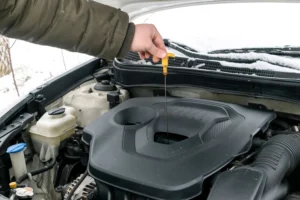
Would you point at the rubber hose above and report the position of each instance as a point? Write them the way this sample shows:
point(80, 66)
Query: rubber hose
point(36, 172)
point(277, 159)
point(77, 185)
point(282, 124)
point(284, 132)
point(295, 196)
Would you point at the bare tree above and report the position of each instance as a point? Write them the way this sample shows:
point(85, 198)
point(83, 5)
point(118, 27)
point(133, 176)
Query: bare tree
point(4, 57)
point(6, 62)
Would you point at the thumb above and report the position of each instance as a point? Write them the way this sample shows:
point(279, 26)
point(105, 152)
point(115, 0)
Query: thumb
point(156, 52)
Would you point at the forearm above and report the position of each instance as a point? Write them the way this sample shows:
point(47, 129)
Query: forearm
point(75, 25)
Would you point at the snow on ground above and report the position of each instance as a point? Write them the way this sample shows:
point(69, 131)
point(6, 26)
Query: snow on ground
point(205, 28)
point(34, 65)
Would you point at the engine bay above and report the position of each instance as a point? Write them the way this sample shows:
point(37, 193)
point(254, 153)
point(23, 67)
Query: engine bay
point(105, 141)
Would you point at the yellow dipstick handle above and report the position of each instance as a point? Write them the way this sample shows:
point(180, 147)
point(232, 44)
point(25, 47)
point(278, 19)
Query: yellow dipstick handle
point(12, 185)
point(165, 63)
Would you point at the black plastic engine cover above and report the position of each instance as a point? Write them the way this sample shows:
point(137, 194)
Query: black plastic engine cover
point(124, 154)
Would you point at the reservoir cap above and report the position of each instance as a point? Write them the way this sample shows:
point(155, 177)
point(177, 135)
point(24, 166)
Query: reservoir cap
point(57, 111)
point(16, 148)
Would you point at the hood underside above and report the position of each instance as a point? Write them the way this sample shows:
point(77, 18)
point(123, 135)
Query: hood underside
point(136, 8)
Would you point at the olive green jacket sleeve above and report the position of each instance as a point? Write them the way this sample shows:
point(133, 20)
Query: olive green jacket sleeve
point(75, 25)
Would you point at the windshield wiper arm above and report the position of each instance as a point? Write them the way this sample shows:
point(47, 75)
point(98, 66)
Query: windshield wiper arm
point(280, 51)
point(169, 43)
point(184, 49)
point(239, 58)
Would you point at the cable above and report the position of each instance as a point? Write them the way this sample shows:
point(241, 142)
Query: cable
point(36, 172)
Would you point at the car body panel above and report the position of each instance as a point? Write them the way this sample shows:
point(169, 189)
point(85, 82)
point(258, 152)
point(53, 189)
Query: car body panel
point(136, 8)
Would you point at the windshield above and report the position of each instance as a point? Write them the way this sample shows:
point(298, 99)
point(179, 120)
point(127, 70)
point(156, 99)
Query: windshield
point(207, 28)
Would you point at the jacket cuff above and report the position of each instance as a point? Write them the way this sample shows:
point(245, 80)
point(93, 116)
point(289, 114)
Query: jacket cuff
point(127, 41)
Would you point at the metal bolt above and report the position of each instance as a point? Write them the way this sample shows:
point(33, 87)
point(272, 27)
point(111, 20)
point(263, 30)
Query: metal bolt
point(105, 82)
point(39, 97)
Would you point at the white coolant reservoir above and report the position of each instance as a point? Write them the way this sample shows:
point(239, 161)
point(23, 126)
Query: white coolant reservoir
point(53, 127)
point(90, 100)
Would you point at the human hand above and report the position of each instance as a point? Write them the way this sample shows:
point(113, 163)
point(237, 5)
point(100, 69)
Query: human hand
point(147, 41)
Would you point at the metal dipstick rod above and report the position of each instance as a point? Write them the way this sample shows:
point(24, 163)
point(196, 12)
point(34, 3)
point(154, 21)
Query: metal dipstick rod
point(165, 63)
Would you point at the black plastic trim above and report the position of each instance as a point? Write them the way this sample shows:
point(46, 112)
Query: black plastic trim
point(231, 185)
point(134, 75)
point(213, 65)
point(13, 129)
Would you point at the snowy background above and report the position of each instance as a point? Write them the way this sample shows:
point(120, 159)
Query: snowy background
point(219, 26)
point(205, 28)
point(34, 65)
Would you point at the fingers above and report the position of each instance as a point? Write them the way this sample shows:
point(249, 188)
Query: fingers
point(160, 47)
point(155, 59)
point(147, 55)
point(156, 52)
point(147, 41)
point(158, 41)
point(142, 55)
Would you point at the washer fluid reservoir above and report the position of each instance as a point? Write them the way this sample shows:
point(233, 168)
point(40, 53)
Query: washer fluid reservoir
point(53, 127)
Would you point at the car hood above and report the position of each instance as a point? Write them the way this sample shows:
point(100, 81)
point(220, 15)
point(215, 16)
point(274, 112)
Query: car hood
point(136, 8)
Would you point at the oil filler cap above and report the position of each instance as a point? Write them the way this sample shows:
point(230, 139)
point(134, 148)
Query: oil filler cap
point(105, 85)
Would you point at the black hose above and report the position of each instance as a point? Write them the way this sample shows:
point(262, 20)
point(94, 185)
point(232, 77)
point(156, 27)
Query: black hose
point(277, 159)
point(77, 185)
point(36, 172)
point(282, 124)
point(264, 179)
point(287, 132)
point(257, 143)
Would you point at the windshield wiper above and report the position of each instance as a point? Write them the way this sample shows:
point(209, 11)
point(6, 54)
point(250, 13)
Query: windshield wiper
point(239, 57)
point(186, 47)
point(280, 51)
point(192, 53)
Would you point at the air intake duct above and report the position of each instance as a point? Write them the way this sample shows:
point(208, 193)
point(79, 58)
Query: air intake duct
point(263, 180)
